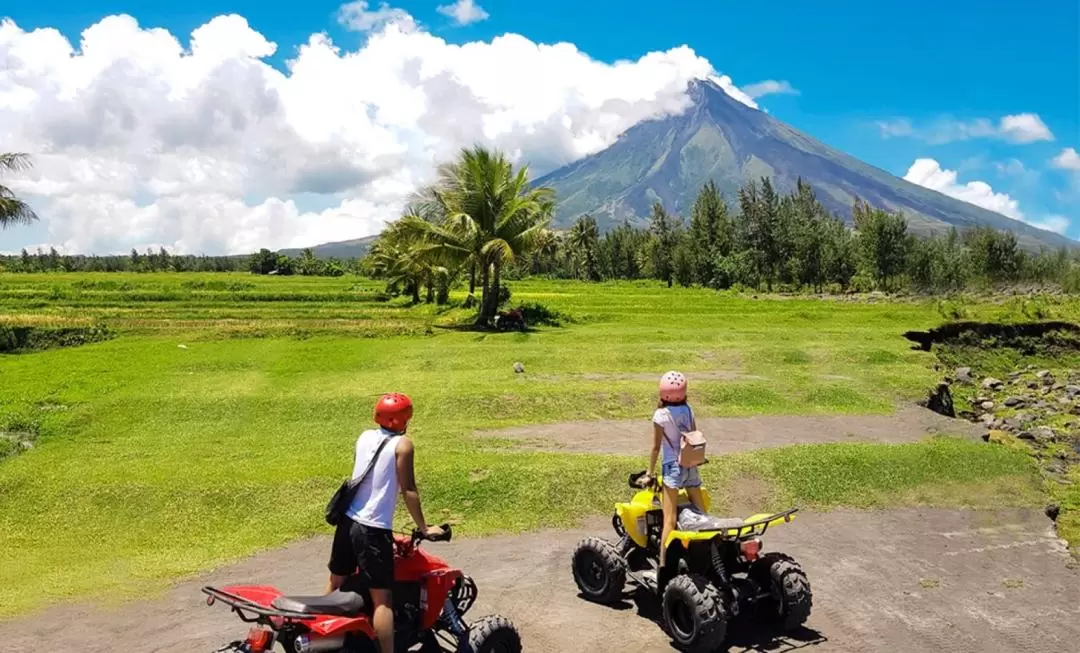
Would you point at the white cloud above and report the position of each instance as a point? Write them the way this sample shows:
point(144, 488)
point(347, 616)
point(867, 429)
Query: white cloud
point(1025, 128)
point(1056, 223)
point(770, 87)
point(928, 173)
point(138, 138)
point(464, 12)
point(358, 16)
point(1020, 128)
point(1069, 159)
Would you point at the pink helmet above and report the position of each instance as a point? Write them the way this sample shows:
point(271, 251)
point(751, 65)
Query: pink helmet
point(673, 387)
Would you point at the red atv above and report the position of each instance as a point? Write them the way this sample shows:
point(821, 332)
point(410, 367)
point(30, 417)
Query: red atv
point(429, 597)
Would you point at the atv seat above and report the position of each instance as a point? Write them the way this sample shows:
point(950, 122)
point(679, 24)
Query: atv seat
point(691, 519)
point(338, 603)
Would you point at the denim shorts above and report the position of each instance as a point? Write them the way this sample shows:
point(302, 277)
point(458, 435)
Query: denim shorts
point(680, 477)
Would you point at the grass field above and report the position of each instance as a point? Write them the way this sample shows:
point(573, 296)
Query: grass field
point(223, 414)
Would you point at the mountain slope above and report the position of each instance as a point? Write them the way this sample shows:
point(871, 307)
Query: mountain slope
point(718, 138)
point(345, 249)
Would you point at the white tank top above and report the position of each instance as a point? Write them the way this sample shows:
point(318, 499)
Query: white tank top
point(376, 497)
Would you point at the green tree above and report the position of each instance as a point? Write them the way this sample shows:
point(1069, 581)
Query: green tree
point(490, 215)
point(584, 241)
point(883, 240)
point(665, 237)
point(14, 211)
point(710, 233)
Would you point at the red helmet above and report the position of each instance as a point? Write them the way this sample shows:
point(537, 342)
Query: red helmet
point(393, 412)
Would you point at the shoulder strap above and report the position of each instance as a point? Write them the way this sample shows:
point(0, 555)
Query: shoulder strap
point(354, 483)
point(693, 420)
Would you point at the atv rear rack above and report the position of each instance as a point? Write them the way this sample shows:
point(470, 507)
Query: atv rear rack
point(239, 605)
point(763, 523)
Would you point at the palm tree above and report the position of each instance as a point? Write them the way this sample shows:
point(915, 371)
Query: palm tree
point(489, 216)
point(13, 210)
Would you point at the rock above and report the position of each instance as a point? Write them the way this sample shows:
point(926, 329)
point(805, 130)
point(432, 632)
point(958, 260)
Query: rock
point(940, 400)
point(963, 375)
point(1043, 374)
point(1058, 387)
point(987, 419)
point(1052, 511)
point(980, 399)
point(1072, 390)
point(1033, 385)
point(181, 346)
point(996, 436)
point(1040, 434)
point(1014, 402)
point(987, 406)
point(1014, 376)
point(990, 383)
point(519, 368)
point(1075, 409)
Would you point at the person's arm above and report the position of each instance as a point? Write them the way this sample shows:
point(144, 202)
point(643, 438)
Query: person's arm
point(658, 434)
point(407, 481)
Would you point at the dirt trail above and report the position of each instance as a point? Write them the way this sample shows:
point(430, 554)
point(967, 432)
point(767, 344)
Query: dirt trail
point(907, 580)
point(732, 434)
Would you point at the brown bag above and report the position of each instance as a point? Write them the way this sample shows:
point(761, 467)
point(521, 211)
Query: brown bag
point(692, 446)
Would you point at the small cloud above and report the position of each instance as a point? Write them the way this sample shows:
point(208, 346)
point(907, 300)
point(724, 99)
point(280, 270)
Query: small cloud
point(928, 173)
point(895, 127)
point(464, 12)
point(1056, 223)
point(359, 17)
point(1069, 159)
point(1020, 128)
point(770, 87)
point(1025, 128)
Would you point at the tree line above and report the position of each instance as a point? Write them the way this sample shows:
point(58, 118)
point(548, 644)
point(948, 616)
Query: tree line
point(790, 242)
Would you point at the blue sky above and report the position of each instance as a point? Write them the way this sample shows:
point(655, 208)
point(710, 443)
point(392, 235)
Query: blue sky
point(920, 67)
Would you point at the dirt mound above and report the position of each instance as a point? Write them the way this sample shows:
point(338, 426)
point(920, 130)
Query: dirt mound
point(732, 434)
point(904, 580)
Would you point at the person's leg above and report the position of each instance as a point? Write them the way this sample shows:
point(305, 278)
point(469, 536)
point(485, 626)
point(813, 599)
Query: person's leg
point(692, 484)
point(383, 619)
point(375, 557)
point(342, 557)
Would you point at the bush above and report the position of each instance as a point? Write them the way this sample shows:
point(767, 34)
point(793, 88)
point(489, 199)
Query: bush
point(16, 338)
point(538, 314)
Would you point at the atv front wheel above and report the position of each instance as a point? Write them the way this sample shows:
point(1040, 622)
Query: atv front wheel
point(694, 614)
point(494, 634)
point(599, 570)
point(791, 598)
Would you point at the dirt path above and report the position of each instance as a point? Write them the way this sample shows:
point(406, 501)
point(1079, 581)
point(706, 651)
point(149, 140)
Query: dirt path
point(731, 434)
point(902, 580)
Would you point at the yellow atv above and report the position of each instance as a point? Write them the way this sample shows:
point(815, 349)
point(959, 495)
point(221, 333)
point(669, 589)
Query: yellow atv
point(714, 569)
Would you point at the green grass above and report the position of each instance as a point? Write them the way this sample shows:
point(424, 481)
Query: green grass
point(153, 461)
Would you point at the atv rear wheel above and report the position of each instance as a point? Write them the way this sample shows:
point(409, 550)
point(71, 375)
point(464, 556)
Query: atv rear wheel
point(599, 570)
point(791, 598)
point(494, 634)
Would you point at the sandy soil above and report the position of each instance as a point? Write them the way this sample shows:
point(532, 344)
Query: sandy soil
point(731, 434)
point(901, 580)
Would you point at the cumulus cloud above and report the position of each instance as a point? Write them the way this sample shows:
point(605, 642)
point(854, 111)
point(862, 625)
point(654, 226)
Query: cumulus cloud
point(1069, 159)
point(139, 138)
point(770, 87)
point(1022, 128)
point(464, 12)
point(360, 17)
point(928, 173)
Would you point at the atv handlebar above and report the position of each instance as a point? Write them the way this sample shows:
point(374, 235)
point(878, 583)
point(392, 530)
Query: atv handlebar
point(419, 536)
point(641, 481)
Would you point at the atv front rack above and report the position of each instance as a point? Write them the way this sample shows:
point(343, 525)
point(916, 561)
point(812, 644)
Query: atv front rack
point(240, 605)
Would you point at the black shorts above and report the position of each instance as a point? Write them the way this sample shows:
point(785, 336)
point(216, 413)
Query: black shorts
point(365, 551)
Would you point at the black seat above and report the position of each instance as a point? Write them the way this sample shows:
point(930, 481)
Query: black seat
point(339, 604)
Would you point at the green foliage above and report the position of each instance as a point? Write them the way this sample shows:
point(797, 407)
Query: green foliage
point(20, 338)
